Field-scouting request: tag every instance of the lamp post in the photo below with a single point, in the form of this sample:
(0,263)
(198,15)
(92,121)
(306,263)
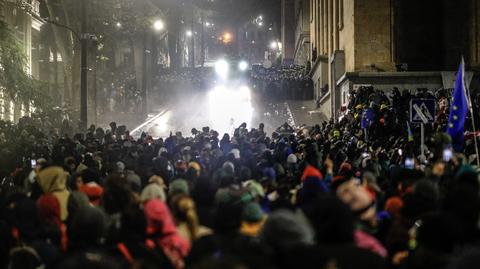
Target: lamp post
(83,38)
(84,70)
(158,26)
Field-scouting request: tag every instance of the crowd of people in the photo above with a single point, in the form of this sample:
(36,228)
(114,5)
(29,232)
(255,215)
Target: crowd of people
(276,73)
(335,195)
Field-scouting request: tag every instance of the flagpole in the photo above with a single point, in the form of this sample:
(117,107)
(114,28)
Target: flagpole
(470,107)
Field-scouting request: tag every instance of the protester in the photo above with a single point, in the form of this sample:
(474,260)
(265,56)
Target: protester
(356,193)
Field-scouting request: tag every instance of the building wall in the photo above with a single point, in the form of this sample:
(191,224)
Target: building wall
(373,35)
(24,25)
(302,32)
(288,30)
(347,34)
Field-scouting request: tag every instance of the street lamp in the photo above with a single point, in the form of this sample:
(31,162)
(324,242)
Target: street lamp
(158,25)
(243,66)
(274,45)
(222,68)
(227,38)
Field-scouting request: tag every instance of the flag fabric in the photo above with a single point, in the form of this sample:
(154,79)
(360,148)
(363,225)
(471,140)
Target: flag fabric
(458,110)
(410,134)
(368,116)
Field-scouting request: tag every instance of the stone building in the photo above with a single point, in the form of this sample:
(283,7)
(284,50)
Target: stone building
(407,44)
(302,33)
(27,29)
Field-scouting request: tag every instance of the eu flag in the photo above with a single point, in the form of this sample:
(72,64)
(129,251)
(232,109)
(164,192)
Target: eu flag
(367,118)
(458,110)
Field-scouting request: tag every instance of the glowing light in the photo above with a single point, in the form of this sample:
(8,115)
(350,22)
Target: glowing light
(227,38)
(158,25)
(189,33)
(160,127)
(229,108)
(243,66)
(119,25)
(244,94)
(222,68)
(273,45)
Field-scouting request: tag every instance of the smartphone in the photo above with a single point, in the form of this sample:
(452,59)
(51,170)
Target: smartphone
(447,154)
(409,163)
(33,163)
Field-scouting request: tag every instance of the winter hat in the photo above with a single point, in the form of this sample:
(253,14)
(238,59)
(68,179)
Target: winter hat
(76,201)
(135,181)
(252,212)
(89,225)
(269,172)
(195,166)
(178,186)
(120,167)
(229,168)
(285,229)
(394,205)
(152,191)
(292,159)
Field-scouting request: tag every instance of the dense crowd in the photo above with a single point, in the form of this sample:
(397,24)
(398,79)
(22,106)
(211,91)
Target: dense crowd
(276,73)
(335,195)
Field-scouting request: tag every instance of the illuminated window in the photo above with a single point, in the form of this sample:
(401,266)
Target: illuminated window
(11,110)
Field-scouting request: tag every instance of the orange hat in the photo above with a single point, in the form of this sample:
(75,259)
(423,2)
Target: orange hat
(394,205)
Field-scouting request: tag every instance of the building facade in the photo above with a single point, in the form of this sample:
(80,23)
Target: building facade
(407,44)
(302,54)
(26,26)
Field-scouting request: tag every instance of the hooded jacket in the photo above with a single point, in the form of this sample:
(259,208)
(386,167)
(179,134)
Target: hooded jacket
(53,180)
(161,227)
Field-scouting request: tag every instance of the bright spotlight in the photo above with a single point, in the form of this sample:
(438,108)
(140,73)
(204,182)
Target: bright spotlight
(229,107)
(221,68)
(245,94)
(158,25)
(119,25)
(189,33)
(274,45)
(243,66)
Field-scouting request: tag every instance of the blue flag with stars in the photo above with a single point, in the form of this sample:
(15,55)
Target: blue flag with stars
(367,118)
(458,110)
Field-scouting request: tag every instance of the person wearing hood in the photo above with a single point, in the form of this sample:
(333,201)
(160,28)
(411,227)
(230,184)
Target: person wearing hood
(161,228)
(53,228)
(186,218)
(53,180)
